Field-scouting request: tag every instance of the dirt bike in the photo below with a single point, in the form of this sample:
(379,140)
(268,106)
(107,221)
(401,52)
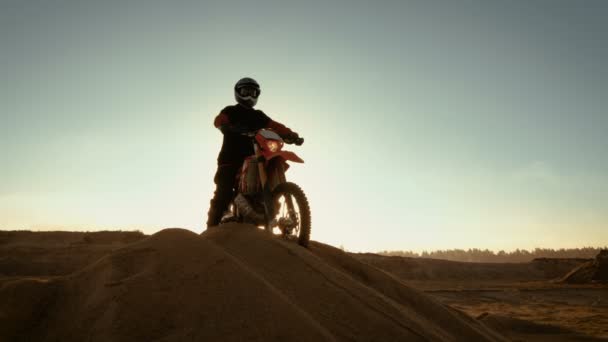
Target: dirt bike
(264,197)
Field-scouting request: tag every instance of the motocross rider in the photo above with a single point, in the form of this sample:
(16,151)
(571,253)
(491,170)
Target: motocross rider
(232,121)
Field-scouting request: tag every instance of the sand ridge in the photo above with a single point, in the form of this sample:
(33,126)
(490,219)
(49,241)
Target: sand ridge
(593,271)
(231,283)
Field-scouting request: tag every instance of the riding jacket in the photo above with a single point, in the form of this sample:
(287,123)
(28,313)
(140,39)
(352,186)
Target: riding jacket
(236,147)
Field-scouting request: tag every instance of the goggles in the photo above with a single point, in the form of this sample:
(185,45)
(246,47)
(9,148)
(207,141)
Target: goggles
(248,91)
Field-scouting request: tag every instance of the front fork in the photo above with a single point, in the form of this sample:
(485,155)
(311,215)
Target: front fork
(269,207)
(266,191)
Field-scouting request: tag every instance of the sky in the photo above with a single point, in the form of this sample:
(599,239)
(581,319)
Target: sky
(428,124)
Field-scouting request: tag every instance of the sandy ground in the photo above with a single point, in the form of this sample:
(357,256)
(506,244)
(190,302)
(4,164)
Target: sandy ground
(580,309)
(528,292)
(235,283)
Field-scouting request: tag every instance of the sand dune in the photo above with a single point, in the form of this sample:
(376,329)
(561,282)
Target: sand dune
(44,254)
(524,301)
(593,271)
(443,270)
(523,330)
(232,283)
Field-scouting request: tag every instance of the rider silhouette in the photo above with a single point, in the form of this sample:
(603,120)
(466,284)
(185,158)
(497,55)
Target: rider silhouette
(233,120)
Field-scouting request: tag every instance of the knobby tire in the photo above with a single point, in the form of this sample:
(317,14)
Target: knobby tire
(298,195)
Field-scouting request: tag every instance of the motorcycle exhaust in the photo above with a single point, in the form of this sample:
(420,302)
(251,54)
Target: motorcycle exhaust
(246,210)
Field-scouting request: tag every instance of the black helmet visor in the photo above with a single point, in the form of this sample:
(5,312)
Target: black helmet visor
(248,91)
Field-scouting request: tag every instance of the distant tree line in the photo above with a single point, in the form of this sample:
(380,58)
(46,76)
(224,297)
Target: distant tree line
(485,255)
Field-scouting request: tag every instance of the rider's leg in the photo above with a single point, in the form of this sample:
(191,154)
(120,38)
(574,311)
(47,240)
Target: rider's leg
(224,191)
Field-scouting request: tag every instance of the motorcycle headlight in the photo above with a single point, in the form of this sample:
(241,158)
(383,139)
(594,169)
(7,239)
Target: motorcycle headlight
(273,145)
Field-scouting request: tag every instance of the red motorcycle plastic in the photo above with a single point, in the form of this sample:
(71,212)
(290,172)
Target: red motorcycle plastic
(264,197)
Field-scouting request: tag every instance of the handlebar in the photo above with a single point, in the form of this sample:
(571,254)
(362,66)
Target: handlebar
(249,133)
(297,142)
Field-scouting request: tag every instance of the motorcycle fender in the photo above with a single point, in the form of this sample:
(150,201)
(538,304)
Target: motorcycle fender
(287,155)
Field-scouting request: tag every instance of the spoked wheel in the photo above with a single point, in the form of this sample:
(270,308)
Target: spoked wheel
(292,212)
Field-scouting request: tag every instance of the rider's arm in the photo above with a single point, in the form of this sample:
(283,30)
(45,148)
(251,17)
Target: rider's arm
(279,128)
(221,120)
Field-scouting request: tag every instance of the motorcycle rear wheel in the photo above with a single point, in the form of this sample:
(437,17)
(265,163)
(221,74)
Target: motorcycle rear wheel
(302,215)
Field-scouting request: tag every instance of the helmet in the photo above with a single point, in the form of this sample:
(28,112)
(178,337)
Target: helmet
(246,91)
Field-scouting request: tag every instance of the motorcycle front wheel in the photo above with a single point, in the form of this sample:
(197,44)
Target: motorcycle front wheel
(292,212)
